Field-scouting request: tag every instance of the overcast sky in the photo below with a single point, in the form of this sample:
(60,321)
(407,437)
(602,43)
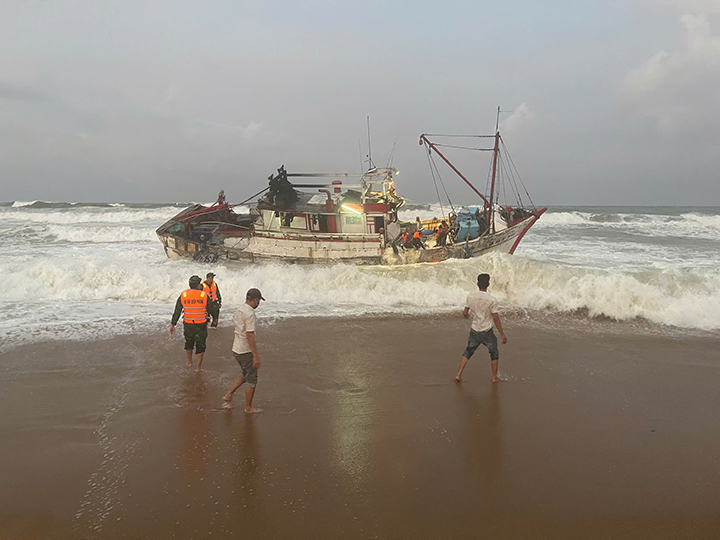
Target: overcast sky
(606,102)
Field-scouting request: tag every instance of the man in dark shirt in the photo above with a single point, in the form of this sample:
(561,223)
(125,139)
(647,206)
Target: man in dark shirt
(211,288)
(192,304)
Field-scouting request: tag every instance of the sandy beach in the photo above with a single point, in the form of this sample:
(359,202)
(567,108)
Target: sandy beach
(599,432)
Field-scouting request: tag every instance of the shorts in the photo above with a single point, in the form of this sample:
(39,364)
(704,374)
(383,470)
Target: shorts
(195,336)
(249,371)
(213,310)
(486,338)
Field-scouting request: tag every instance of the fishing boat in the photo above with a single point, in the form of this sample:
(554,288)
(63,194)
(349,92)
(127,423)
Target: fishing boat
(332,221)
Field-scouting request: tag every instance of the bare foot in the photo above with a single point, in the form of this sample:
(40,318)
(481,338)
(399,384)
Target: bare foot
(189,364)
(458,378)
(253,410)
(198,370)
(497,379)
(227,397)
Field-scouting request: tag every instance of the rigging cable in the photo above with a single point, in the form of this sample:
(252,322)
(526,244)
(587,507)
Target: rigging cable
(430,164)
(511,180)
(464,147)
(460,136)
(392,153)
(518,173)
(442,183)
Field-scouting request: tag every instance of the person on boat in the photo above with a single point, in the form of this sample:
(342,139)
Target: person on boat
(244,349)
(221,198)
(192,304)
(441,238)
(209,286)
(417,241)
(484,311)
(406,239)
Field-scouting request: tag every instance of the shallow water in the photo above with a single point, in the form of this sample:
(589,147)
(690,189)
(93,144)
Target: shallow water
(90,271)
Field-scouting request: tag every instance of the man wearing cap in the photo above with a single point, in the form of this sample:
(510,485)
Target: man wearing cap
(245,349)
(209,286)
(193,304)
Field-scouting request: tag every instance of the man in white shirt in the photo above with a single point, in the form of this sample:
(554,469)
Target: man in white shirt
(484,311)
(245,349)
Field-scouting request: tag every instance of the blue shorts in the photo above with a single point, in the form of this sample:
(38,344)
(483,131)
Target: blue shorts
(486,338)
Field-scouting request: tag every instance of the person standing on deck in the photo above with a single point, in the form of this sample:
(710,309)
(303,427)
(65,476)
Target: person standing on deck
(245,349)
(484,311)
(210,288)
(442,232)
(192,303)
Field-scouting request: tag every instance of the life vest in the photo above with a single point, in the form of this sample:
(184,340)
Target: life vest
(404,237)
(417,234)
(211,290)
(194,304)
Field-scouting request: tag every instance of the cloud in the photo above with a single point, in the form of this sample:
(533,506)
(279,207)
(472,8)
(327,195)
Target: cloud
(520,121)
(676,87)
(704,7)
(14,92)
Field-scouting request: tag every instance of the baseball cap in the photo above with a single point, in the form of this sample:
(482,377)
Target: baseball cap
(253,294)
(195,280)
(209,274)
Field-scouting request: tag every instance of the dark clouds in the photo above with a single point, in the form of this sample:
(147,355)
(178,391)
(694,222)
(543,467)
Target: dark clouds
(174,101)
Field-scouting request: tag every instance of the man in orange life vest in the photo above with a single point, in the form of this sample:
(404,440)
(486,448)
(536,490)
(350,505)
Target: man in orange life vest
(417,242)
(209,287)
(193,304)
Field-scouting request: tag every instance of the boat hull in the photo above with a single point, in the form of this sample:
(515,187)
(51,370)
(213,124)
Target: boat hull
(330,249)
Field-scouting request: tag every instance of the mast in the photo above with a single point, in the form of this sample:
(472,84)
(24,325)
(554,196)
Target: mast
(496,151)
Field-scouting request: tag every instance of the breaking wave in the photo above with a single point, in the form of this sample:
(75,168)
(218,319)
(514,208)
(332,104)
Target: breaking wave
(110,215)
(81,271)
(685,225)
(684,298)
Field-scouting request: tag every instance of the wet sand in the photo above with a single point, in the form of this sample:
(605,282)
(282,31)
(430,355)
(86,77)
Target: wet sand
(599,432)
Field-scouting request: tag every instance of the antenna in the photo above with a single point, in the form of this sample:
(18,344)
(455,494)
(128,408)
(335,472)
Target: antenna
(361,159)
(392,152)
(497,120)
(370,161)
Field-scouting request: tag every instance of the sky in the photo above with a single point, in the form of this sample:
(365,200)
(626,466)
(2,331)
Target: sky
(611,102)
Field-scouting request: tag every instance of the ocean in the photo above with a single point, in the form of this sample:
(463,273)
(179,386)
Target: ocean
(89,271)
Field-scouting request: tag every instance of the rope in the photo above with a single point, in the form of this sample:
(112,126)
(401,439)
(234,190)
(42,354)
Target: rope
(442,184)
(251,198)
(464,147)
(518,174)
(458,136)
(430,164)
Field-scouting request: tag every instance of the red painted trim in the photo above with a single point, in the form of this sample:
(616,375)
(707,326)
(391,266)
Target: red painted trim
(331,224)
(538,213)
(381,208)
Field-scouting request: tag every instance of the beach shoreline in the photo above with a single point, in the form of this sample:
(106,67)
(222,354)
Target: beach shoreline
(597,433)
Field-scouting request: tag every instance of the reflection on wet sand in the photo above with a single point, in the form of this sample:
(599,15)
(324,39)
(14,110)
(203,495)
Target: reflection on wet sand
(482,437)
(246,472)
(353,412)
(195,436)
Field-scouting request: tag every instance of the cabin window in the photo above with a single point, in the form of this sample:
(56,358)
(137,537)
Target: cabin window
(318,223)
(353,223)
(379,223)
(288,220)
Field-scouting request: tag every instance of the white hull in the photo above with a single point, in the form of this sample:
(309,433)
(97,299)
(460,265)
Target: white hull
(337,248)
